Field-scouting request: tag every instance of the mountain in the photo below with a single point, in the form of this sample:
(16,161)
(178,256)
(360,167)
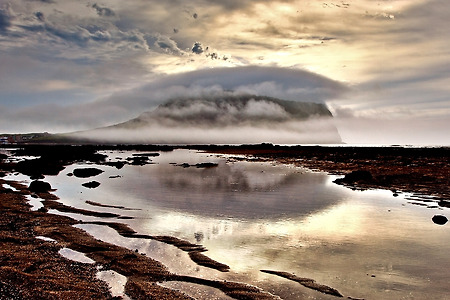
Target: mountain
(228,119)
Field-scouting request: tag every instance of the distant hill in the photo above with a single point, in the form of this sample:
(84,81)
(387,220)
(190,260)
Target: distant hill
(227,119)
(223,111)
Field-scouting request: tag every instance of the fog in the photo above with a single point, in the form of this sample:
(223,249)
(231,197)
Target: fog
(224,120)
(293,132)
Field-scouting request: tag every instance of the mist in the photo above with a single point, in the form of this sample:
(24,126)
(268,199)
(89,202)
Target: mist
(294,132)
(228,119)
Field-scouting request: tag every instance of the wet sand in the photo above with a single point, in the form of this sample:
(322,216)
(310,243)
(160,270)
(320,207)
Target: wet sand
(33,268)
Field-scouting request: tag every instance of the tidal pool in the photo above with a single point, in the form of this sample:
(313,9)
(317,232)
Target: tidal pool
(262,215)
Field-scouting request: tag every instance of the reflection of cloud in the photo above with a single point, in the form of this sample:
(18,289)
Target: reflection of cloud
(225,178)
(242,190)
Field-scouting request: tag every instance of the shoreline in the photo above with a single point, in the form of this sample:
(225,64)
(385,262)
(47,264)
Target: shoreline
(47,274)
(423,172)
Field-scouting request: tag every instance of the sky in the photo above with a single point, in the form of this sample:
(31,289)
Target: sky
(382,67)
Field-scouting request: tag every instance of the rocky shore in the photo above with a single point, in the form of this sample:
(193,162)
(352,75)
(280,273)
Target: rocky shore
(424,172)
(32,268)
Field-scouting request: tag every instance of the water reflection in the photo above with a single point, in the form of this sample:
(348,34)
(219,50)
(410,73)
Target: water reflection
(254,216)
(237,190)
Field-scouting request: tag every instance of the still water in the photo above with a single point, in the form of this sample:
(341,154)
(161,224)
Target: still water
(262,215)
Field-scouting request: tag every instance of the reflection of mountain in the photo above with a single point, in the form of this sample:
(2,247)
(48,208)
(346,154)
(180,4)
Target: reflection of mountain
(226,178)
(226,119)
(240,190)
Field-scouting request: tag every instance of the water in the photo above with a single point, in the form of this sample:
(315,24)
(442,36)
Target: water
(253,216)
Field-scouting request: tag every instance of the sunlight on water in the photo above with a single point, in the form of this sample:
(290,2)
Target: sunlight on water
(255,215)
(75,256)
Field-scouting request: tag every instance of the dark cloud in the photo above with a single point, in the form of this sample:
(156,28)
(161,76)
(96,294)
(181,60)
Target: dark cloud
(162,43)
(40,16)
(5,19)
(103,11)
(197,48)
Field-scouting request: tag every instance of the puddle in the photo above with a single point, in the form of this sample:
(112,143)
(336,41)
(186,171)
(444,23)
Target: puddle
(75,256)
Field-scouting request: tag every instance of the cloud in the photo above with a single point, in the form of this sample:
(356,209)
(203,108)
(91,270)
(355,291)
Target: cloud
(40,16)
(163,43)
(416,130)
(283,83)
(5,18)
(73,54)
(197,48)
(103,11)
(121,106)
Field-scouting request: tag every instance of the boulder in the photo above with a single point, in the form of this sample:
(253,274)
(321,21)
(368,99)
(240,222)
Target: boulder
(86,172)
(439,219)
(355,176)
(39,186)
(91,184)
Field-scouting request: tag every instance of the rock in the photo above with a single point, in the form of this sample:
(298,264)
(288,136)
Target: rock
(146,154)
(39,186)
(86,172)
(439,219)
(117,164)
(206,165)
(91,184)
(355,176)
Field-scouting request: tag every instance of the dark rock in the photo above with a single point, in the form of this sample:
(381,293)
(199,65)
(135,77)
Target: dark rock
(306,282)
(355,176)
(206,165)
(146,154)
(91,184)
(42,209)
(117,164)
(86,172)
(39,186)
(444,203)
(439,219)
